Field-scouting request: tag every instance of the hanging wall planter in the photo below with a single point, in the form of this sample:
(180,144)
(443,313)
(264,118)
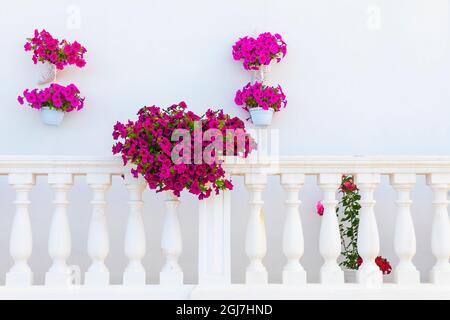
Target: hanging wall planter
(261,101)
(53,102)
(258,55)
(52,117)
(261,117)
(46,72)
(50,55)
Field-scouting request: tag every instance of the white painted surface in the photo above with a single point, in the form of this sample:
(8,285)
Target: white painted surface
(357,83)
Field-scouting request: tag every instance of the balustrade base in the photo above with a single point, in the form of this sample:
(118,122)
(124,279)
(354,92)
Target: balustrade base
(171,278)
(96,279)
(60,279)
(311,291)
(441,277)
(369,278)
(410,277)
(15,279)
(294,277)
(133,278)
(314,291)
(332,277)
(256,277)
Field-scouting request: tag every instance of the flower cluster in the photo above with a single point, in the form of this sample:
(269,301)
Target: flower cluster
(348,184)
(60,53)
(56,97)
(152,145)
(381,262)
(260,51)
(262,96)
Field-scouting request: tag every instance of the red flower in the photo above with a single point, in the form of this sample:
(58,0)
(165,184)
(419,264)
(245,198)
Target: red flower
(359,261)
(381,262)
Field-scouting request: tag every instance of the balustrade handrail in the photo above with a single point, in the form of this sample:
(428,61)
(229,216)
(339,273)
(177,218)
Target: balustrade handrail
(343,164)
(301,164)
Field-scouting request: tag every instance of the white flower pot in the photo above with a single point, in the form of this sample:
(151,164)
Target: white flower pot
(51,117)
(261,117)
(350,276)
(46,72)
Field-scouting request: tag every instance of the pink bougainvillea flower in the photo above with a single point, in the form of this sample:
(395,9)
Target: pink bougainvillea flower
(320,208)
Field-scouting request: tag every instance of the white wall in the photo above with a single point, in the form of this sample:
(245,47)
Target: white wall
(357,83)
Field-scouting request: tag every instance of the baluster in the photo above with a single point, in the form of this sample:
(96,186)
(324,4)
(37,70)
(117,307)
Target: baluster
(440,232)
(293,243)
(214,240)
(135,234)
(98,241)
(405,237)
(255,238)
(330,238)
(59,242)
(21,241)
(171,244)
(368,240)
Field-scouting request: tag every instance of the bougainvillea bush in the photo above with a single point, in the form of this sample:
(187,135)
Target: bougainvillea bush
(55,97)
(260,51)
(61,53)
(348,213)
(259,95)
(175,149)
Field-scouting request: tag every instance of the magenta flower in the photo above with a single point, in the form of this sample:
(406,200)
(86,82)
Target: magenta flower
(262,96)
(60,53)
(320,208)
(260,51)
(147,144)
(55,96)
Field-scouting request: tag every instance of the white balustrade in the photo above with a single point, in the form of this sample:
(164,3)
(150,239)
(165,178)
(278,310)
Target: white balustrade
(21,240)
(404,236)
(440,233)
(255,237)
(135,233)
(171,244)
(368,240)
(59,241)
(215,231)
(98,238)
(293,243)
(330,238)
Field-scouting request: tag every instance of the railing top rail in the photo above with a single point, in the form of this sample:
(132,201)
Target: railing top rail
(61,164)
(342,164)
(284,164)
